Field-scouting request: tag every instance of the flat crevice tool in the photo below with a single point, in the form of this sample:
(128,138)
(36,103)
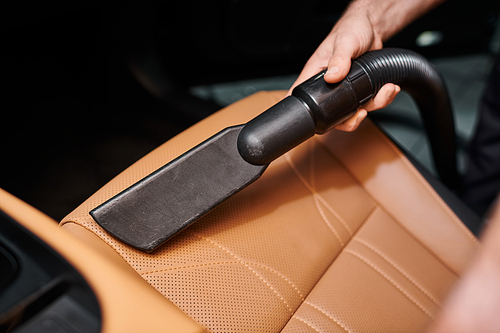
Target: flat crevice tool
(170,199)
(160,205)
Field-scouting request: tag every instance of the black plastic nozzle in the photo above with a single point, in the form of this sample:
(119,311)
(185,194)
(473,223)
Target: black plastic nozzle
(276,131)
(314,107)
(317,106)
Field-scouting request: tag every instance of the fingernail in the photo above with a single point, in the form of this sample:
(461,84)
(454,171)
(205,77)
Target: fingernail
(390,93)
(333,70)
(358,121)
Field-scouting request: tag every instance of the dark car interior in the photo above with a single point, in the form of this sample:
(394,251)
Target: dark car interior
(93,87)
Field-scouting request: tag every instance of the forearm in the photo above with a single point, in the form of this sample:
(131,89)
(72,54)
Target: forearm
(473,304)
(400,13)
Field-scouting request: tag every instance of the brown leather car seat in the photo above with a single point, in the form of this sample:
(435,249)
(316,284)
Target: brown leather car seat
(341,234)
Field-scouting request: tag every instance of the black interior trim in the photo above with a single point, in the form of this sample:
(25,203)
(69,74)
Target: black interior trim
(41,291)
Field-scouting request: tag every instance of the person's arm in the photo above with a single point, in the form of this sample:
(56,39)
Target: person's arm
(364,26)
(474,304)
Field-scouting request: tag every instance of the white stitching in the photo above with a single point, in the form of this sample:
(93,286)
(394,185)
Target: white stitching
(307,323)
(226,263)
(388,278)
(247,266)
(329,316)
(431,191)
(325,218)
(399,269)
(316,200)
(190,266)
(289,160)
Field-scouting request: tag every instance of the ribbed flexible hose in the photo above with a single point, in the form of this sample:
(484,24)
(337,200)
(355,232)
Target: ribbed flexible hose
(316,107)
(415,75)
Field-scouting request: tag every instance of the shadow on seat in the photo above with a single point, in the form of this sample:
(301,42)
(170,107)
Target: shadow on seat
(341,234)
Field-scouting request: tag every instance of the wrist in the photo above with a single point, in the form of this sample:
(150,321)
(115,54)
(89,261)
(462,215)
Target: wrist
(388,17)
(375,12)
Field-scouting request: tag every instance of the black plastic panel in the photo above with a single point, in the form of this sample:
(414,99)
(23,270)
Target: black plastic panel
(40,291)
(8,267)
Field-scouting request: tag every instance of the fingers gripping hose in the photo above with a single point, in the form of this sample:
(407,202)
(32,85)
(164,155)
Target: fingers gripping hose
(316,107)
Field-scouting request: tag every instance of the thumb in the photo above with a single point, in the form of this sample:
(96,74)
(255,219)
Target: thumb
(339,65)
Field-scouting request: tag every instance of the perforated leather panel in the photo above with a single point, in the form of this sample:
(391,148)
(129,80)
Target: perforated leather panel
(384,281)
(281,253)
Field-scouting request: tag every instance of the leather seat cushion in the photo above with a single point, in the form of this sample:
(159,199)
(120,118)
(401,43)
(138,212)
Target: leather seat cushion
(340,234)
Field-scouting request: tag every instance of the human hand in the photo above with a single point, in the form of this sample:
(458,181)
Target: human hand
(353,35)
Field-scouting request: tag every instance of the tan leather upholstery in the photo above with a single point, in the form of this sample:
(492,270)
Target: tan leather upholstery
(127,303)
(339,235)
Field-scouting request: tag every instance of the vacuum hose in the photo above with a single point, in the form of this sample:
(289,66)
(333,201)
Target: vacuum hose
(316,106)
